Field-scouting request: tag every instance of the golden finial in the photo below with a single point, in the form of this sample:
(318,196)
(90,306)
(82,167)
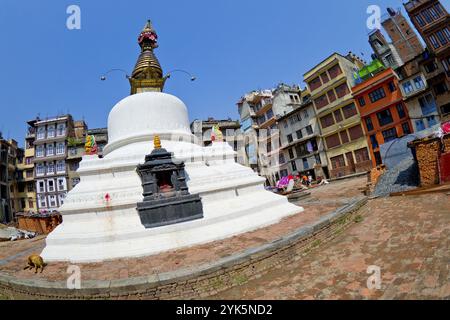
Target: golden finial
(156,142)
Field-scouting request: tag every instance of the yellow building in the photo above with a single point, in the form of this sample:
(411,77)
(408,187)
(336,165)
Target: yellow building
(330,84)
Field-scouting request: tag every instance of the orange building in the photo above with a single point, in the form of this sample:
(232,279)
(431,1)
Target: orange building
(383,112)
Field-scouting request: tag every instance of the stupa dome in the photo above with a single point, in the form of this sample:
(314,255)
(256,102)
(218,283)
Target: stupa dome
(140,116)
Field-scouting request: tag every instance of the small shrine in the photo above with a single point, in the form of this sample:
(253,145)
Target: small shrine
(166,196)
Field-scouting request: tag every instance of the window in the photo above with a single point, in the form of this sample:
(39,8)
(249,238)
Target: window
(321,102)
(291,153)
(299,134)
(434,41)
(61,197)
(324,77)
(29,173)
(41,186)
(440,88)
(42,201)
(285,124)
(61,129)
(430,67)
(331,96)
(406,129)
(390,60)
(62,183)
(418,82)
(392,86)
(289,138)
(317,158)
(299,117)
(342,90)
(305,164)
(369,124)
(305,114)
(349,111)
(269,114)
(50,168)
(60,166)
(446,31)
(377,95)
(338,115)
(51,185)
(52,201)
(40,133)
(338,162)
(74,166)
(407,87)
(384,117)
(344,136)
(50,150)
(40,169)
(334,71)
(60,148)
(361,155)
(389,135)
(401,111)
(427,16)
(431,121)
(314,84)
(420,20)
(51,131)
(427,104)
(39,151)
(420,125)
(327,121)
(374,141)
(442,38)
(309,130)
(294,166)
(362,101)
(332,141)
(355,132)
(284,173)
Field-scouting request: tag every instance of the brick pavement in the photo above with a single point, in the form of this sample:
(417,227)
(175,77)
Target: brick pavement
(323,200)
(407,237)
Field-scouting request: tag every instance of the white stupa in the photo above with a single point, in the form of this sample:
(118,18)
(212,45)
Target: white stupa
(100,217)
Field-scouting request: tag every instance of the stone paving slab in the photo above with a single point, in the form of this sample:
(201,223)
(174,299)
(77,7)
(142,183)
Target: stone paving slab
(407,237)
(13,254)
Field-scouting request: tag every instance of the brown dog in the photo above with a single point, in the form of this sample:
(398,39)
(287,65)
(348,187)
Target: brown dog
(36,262)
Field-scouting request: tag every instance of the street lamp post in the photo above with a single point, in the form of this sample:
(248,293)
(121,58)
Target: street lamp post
(167,76)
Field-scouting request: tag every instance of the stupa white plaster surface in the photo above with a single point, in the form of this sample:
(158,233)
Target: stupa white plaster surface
(93,229)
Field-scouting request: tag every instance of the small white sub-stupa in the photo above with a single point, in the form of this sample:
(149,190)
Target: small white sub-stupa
(100,215)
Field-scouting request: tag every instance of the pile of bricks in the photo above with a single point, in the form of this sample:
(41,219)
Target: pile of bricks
(42,224)
(427,153)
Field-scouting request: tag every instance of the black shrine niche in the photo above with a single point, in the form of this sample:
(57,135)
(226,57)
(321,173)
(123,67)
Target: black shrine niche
(166,196)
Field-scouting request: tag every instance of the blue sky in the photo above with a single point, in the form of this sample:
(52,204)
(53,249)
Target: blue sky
(232,46)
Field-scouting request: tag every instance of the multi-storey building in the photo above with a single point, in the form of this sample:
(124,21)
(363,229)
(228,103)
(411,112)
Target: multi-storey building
(384,50)
(432,21)
(258,112)
(404,39)
(417,95)
(383,112)
(302,149)
(10,191)
(50,162)
(345,144)
(202,129)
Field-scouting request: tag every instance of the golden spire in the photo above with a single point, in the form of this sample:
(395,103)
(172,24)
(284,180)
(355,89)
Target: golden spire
(147,74)
(156,142)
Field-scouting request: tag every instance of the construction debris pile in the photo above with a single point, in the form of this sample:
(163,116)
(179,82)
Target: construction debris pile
(402,177)
(13,234)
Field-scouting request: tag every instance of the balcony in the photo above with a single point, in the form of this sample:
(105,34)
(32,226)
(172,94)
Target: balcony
(415,4)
